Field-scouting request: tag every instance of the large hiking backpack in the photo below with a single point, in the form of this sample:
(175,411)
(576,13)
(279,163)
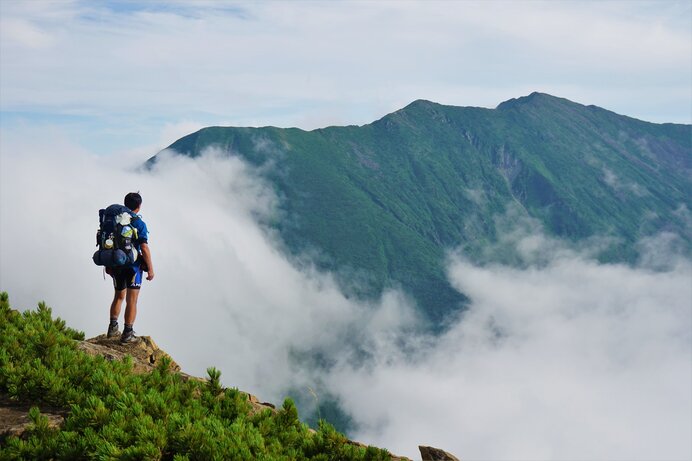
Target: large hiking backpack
(115,237)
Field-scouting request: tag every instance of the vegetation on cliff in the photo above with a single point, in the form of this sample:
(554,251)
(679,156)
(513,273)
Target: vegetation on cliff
(115,413)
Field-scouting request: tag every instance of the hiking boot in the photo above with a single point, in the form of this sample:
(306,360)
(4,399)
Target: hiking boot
(128,337)
(113,331)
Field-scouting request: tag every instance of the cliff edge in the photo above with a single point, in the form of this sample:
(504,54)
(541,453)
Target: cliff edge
(27,417)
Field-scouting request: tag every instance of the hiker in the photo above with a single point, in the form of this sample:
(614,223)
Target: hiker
(127,279)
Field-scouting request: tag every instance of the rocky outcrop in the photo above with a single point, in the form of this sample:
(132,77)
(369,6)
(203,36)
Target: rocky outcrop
(435,454)
(145,353)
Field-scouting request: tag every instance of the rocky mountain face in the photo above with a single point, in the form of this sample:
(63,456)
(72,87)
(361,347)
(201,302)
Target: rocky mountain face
(383,203)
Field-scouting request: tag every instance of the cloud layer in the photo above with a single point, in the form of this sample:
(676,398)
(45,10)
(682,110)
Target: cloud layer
(106,68)
(564,359)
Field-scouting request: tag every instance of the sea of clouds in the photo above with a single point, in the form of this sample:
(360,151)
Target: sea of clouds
(565,358)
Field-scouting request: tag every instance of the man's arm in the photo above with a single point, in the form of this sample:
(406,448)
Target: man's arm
(146,254)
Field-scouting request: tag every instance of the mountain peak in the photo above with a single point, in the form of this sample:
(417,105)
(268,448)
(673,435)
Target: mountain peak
(535,99)
(413,109)
(422,102)
(419,104)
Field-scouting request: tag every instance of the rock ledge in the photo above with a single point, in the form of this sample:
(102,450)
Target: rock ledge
(435,454)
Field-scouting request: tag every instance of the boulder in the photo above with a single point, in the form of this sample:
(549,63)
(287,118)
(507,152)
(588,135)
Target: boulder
(435,454)
(145,353)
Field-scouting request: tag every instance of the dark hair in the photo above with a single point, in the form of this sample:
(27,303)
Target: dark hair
(133,200)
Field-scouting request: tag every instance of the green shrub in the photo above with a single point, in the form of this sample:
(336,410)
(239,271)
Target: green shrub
(114,414)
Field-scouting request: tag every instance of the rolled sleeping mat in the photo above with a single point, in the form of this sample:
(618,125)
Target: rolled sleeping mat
(111,258)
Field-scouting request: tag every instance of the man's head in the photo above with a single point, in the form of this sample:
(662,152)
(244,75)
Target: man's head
(133,201)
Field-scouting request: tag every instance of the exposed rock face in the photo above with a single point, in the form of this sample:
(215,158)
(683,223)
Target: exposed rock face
(145,353)
(257,405)
(435,454)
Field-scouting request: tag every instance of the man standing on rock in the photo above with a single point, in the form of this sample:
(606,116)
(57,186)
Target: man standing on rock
(127,280)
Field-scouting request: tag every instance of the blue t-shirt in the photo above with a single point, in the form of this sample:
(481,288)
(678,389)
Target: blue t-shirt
(142,237)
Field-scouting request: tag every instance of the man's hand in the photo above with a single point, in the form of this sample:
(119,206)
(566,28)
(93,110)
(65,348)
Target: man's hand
(146,255)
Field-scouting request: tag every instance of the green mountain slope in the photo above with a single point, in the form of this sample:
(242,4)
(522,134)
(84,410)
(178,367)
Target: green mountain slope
(382,203)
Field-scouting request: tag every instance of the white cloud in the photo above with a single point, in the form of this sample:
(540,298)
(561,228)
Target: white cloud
(621,186)
(567,359)
(23,33)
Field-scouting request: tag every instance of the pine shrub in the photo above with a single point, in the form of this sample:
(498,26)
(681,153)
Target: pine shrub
(115,414)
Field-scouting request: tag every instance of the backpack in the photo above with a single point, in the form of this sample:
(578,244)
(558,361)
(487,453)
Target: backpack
(115,237)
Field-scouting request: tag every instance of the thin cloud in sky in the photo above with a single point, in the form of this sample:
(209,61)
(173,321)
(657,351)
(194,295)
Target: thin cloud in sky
(309,64)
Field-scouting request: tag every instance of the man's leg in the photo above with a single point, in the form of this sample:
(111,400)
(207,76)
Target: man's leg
(131,306)
(118,297)
(117,303)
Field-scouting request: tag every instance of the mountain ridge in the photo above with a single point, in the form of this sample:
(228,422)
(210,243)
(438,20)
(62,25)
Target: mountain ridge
(389,199)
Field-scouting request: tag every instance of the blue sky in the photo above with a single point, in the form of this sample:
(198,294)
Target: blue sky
(123,76)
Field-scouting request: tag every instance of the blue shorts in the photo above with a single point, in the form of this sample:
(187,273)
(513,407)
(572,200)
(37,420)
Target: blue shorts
(126,277)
